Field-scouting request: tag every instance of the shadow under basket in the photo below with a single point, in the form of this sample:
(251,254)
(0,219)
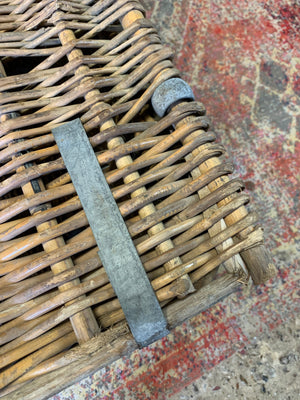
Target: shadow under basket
(102,61)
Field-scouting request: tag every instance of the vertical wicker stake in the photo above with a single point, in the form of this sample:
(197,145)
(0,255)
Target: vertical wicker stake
(185,286)
(84,323)
(166,96)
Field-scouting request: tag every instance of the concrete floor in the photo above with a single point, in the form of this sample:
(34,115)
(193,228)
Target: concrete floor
(243,61)
(267,368)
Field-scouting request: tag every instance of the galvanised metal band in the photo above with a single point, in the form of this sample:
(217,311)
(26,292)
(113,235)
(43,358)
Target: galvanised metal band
(116,249)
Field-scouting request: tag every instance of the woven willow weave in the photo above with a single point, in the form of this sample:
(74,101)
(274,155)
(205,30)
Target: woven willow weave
(101,61)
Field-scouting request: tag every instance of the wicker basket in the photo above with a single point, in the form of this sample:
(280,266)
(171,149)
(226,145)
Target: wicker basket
(101,61)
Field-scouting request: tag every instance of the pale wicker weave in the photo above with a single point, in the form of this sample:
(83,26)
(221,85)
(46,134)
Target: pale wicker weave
(101,61)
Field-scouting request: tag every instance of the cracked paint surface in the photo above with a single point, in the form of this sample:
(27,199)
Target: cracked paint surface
(242,60)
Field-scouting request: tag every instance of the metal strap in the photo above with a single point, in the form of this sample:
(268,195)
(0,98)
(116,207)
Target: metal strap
(116,249)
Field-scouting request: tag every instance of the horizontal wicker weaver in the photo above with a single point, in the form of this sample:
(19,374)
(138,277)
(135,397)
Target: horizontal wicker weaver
(101,61)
